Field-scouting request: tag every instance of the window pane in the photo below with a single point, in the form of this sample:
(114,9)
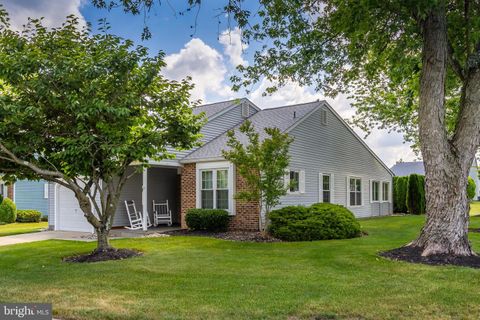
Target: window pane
(326,196)
(359,184)
(359,199)
(326,182)
(352,198)
(385,191)
(352,184)
(375,190)
(222,199)
(294,181)
(207,177)
(207,199)
(222,179)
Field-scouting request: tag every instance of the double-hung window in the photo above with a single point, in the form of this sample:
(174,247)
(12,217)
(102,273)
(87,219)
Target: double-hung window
(294,181)
(375,191)
(214,192)
(385,191)
(355,191)
(326,188)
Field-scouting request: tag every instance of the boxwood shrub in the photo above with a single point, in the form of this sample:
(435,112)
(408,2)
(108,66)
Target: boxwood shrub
(8,211)
(471,187)
(28,215)
(207,219)
(320,221)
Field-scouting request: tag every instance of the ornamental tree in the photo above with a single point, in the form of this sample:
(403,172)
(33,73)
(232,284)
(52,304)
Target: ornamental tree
(261,162)
(79,110)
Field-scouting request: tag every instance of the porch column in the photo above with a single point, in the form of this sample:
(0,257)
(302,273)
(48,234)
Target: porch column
(144,198)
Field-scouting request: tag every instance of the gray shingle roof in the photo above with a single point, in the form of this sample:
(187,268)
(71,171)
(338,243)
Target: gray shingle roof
(281,117)
(407,168)
(213,108)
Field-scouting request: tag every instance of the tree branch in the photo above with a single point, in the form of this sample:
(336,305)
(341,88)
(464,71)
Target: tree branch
(454,63)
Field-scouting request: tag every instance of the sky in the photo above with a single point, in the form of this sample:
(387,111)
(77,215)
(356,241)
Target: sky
(207,48)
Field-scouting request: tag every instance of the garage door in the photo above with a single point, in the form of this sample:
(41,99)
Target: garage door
(69,215)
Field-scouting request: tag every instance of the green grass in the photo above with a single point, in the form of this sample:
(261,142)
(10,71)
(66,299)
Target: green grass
(18,228)
(204,278)
(475,208)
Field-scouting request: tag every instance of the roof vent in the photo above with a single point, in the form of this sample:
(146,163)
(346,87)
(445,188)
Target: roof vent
(323,115)
(245,109)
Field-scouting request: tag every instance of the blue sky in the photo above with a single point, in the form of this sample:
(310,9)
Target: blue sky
(209,57)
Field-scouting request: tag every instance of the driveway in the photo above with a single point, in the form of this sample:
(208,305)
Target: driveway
(45,235)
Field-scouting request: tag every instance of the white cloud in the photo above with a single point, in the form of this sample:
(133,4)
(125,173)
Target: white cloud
(233,46)
(53,12)
(205,65)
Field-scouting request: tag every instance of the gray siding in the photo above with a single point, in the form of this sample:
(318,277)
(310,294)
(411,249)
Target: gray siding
(333,149)
(30,195)
(51,205)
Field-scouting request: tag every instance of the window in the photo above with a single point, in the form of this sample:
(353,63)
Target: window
(355,191)
(385,191)
(326,187)
(375,191)
(294,181)
(214,193)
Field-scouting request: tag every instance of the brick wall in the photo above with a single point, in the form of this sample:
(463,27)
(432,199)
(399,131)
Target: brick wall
(188,191)
(247,213)
(10,191)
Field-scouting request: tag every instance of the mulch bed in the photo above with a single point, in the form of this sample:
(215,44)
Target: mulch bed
(111,254)
(248,236)
(414,255)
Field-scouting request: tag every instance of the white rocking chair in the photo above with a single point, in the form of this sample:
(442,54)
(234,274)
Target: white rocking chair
(161,213)
(135,217)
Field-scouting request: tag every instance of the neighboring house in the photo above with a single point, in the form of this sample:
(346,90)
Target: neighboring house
(329,163)
(6,190)
(407,168)
(28,194)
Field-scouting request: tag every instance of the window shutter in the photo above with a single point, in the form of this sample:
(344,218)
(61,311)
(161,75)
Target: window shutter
(332,188)
(320,187)
(286,180)
(302,181)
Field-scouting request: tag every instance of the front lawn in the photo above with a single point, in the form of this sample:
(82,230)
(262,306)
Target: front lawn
(18,228)
(475,208)
(203,278)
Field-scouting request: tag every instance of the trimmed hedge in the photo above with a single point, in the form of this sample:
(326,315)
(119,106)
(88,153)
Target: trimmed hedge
(207,219)
(471,188)
(321,221)
(400,194)
(416,194)
(28,215)
(8,211)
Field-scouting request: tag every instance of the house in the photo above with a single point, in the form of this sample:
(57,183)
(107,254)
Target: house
(329,163)
(407,168)
(28,194)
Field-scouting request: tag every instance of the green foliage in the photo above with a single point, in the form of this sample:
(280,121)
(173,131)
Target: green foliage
(416,194)
(471,188)
(1,199)
(28,215)
(78,109)
(321,221)
(8,211)
(400,194)
(207,219)
(262,163)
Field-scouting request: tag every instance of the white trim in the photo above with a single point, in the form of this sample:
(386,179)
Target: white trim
(388,191)
(145,198)
(55,205)
(362,192)
(219,165)
(45,190)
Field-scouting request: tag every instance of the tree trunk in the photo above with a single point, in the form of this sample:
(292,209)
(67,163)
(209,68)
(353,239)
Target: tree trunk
(103,243)
(446,166)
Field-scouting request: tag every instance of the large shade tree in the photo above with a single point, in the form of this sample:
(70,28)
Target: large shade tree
(80,109)
(412,66)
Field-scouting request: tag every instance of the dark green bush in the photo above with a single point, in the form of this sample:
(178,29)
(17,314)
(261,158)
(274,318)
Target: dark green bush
(416,194)
(471,188)
(321,221)
(8,211)
(44,218)
(28,215)
(207,219)
(400,194)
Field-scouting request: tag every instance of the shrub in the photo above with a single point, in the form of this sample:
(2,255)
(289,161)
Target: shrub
(207,219)
(400,194)
(28,215)
(44,218)
(8,211)
(321,221)
(416,194)
(471,187)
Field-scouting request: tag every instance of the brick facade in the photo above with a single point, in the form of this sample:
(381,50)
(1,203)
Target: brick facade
(10,191)
(246,213)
